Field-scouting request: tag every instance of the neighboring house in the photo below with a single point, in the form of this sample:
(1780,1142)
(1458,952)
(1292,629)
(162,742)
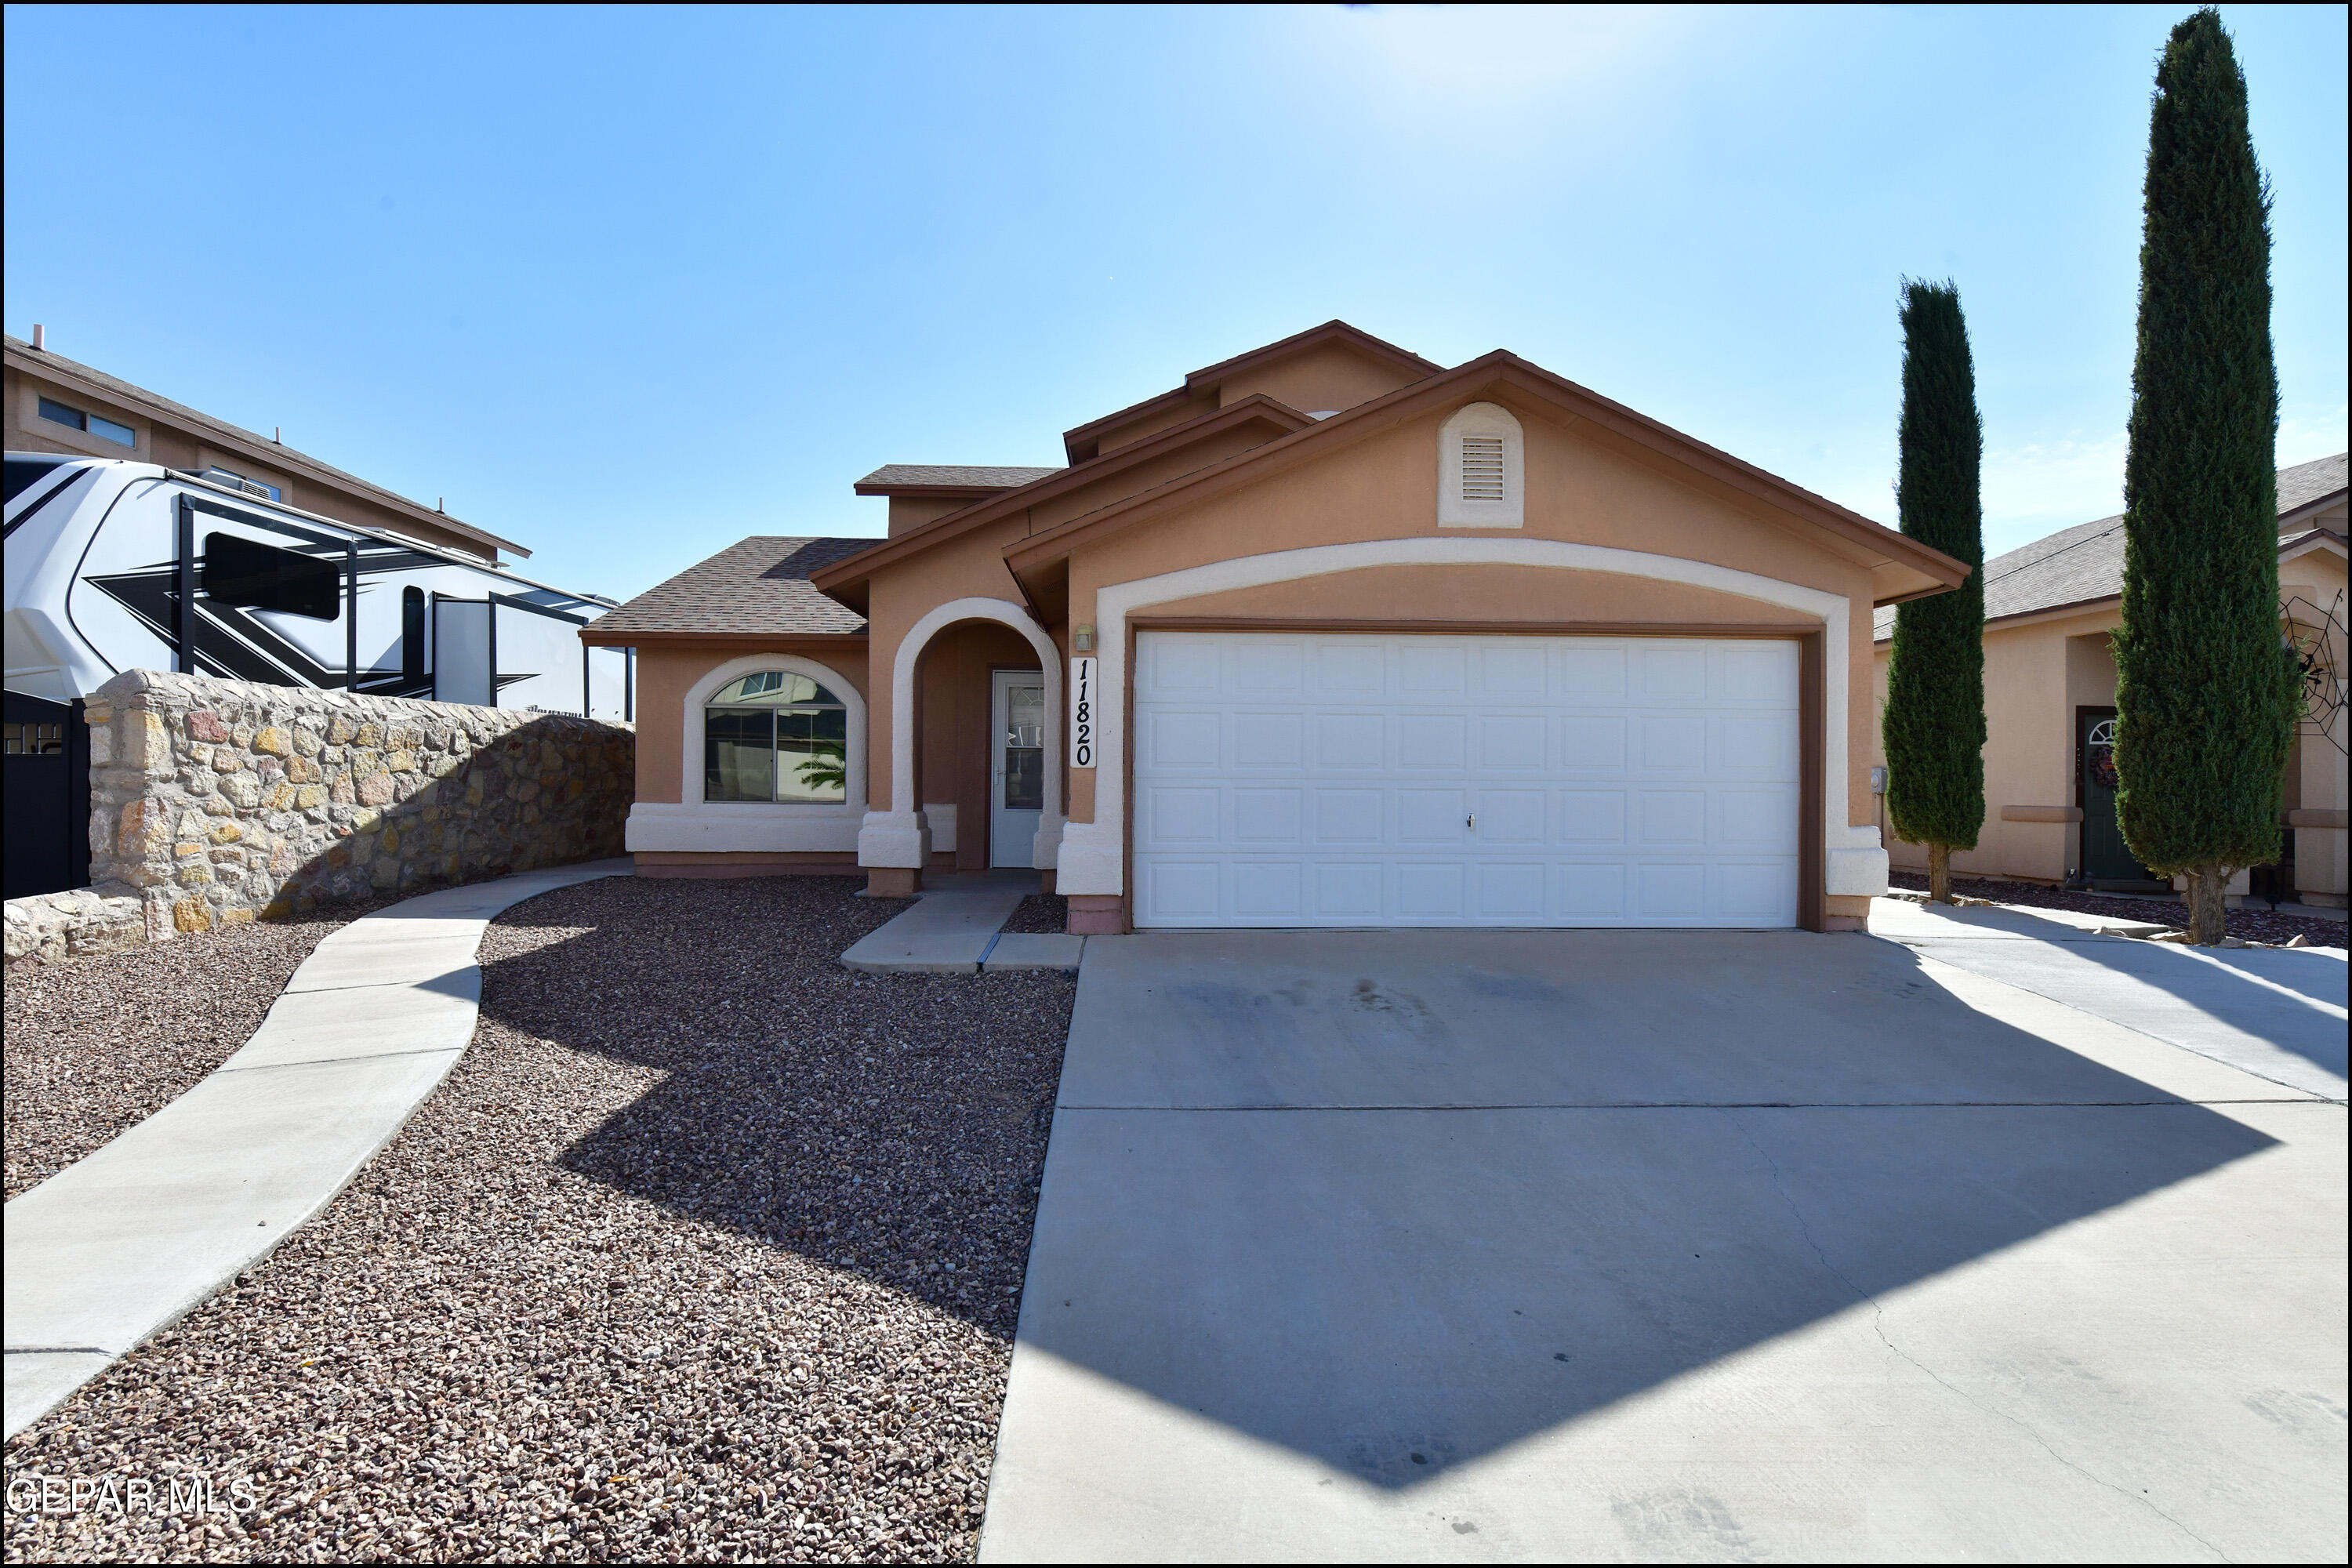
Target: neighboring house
(1328,635)
(54,404)
(2050,701)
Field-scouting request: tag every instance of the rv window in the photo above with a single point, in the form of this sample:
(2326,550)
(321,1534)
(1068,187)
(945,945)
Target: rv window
(242,571)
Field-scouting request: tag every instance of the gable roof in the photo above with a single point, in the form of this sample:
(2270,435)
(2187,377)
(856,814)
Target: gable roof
(2084,564)
(44,362)
(757,587)
(1504,370)
(946,479)
(1257,409)
(1201,385)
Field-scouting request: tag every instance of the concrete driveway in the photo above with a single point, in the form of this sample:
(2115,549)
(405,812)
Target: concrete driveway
(1662,1245)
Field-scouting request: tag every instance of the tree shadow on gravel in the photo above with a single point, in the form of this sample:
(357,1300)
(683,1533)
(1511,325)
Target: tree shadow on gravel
(890,1126)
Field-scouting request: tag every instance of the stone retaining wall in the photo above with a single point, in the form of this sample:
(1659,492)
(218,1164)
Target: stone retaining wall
(218,801)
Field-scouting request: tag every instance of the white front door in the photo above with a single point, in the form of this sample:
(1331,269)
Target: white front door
(1016,785)
(1335,780)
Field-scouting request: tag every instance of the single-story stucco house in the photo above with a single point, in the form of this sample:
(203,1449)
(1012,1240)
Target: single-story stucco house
(2050,701)
(1328,634)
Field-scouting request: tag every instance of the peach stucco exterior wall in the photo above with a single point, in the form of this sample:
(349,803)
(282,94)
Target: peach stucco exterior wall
(1582,485)
(2037,674)
(1329,377)
(668,671)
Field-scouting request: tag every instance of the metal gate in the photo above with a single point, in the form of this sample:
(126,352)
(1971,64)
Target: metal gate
(47,816)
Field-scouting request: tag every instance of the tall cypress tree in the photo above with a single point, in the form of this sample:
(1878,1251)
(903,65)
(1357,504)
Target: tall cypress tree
(2205,698)
(1934,726)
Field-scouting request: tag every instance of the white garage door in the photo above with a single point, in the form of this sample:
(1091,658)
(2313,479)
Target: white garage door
(1330,780)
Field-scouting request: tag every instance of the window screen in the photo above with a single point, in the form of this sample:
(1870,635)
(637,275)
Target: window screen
(243,572)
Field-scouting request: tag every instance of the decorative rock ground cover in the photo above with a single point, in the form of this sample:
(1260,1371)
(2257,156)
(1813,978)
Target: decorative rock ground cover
(97,1044)
(2254,924)
(708,1248)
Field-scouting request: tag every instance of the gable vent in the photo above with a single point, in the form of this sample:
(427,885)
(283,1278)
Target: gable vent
(1481,468)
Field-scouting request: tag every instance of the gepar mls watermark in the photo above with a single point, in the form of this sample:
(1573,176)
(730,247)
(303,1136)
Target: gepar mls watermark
(184,1495)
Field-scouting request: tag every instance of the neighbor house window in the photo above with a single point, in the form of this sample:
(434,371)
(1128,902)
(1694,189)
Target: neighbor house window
(237,481)
(775,736)
(89,423)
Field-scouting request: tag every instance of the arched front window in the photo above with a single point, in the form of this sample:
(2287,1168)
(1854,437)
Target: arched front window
(775,736)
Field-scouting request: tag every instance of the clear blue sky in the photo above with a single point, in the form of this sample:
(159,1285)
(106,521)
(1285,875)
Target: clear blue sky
(630,285)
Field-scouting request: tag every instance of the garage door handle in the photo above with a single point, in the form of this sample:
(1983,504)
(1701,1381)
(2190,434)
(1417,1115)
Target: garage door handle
(1471,822)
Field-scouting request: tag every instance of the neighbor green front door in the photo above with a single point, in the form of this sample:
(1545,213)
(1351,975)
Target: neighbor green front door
(2105,857)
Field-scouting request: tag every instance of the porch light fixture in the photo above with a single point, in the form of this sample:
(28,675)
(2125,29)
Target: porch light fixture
(1082,640)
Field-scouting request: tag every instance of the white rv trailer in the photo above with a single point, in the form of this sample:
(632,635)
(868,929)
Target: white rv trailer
(115,565)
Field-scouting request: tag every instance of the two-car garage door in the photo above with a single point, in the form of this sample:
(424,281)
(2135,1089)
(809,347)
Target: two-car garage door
(1338,779)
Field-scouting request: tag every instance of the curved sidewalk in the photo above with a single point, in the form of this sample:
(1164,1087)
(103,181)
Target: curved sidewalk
(133,1237)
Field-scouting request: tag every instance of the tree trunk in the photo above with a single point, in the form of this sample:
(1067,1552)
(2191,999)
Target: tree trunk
(2209,905)
(1939,873)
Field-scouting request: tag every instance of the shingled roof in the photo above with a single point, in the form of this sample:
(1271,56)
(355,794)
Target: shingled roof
(758,587)
(2084,564)
(898,475)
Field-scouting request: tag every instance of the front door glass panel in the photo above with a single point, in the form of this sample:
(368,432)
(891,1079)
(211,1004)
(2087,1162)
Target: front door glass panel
(1023,747)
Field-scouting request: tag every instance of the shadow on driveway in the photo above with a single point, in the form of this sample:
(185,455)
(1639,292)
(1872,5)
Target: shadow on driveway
(1399,1200)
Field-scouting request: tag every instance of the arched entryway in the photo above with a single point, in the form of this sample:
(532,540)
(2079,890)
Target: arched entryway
(962,676)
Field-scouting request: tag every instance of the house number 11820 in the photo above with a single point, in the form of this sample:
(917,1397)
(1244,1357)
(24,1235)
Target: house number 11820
(1082,713)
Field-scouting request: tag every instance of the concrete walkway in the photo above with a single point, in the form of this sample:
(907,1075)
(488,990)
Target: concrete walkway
(1665,1245)
(2278,1012)
(127,1240)
(956,926)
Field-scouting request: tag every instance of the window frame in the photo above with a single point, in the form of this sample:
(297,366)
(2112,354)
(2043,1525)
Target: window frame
(692,748)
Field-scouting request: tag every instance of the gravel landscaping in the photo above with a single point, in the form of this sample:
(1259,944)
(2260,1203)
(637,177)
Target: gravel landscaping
(1047,913)
(2256,925)
(96,1044)
(708,1248)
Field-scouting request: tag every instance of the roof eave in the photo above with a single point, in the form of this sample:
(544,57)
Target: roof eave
(1256,407)
(36,362)
(596,635)
(1502,366)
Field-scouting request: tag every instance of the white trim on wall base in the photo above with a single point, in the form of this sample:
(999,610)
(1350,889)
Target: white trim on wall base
(1093,854)
(729,828)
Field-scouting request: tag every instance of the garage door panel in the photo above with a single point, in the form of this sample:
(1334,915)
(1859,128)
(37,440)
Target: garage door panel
(1265,890)
(1264,741)
(1369,780)
(1430,815)
(1590,817)
(1595,671)
(1349,669)
(1673,745)
(1427,890)
(1173,815)
(1673,817)
(1176,739)
(1593,891)
(1673,675)
(1590,743)
(1512,741)
(1259,667)
(1425,742)
(1429,668)
(1510,815)
(1512,674)
(1267,816)
(1348,891)
(1348,816)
